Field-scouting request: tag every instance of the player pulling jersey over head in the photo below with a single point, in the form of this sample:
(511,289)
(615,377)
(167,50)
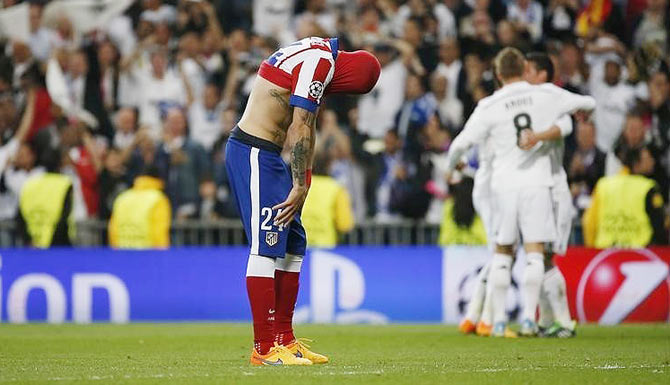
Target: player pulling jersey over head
(521,178)
(282,106)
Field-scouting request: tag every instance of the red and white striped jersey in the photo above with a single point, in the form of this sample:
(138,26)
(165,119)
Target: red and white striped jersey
(305,67)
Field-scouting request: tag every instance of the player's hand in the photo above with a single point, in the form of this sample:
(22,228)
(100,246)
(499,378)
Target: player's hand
(527,140)
(292,204)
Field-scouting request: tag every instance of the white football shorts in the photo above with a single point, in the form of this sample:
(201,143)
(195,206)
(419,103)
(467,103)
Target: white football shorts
(564,211)
(528,211)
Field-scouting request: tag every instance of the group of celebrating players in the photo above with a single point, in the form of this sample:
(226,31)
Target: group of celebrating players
(520,187)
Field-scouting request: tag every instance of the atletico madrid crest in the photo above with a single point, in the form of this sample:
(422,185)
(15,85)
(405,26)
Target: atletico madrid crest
(271,238)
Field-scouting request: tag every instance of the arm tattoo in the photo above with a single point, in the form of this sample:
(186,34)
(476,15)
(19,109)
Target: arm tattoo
(299,156)
(309,119)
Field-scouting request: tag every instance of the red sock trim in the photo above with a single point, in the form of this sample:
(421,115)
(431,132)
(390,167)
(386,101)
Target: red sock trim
(286,295)
(261,291)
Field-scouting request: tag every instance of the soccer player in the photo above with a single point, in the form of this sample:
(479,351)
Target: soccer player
(282,109)
(520,179)
(478,317)
(555,318)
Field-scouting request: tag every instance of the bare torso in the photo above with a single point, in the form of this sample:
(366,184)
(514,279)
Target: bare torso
(268,113)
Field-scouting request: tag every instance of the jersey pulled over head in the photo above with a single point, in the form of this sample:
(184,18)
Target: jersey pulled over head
(355,73)
(313,67)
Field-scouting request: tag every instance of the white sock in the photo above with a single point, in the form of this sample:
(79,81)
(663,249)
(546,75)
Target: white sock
(478,294)
(546,314)
(554,286)
(500,277)
(487,308)
(532,282)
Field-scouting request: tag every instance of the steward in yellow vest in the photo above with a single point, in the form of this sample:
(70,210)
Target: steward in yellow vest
(626,210)
(460,224)
(327,211)
(45,210)
(141,216)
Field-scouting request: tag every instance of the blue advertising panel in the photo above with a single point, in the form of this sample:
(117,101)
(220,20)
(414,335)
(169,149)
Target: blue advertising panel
(343,285)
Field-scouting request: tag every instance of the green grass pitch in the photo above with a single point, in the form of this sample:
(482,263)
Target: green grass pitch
(406,354)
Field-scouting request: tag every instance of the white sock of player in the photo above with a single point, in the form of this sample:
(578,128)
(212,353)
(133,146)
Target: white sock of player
(500,277)
(532,282)
(546,314)
(478,294)
(487,308)
(554,286)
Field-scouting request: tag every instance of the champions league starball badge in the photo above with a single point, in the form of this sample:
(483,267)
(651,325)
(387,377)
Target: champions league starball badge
(316,89)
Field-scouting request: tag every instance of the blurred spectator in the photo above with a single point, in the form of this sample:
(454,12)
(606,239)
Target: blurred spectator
(214,203)
(613,100)
(627,209)
(414,114)
(205,117)
(125,128)
(460,223)
(334,144)
(272,18)
(42,39)
(571,68)
(436,141)
(449,108)
(46,205)
(527,16)
(319,15)
(391,169)
(559,19)
(377,109)
(113,181)
(327,211)
(159,88)
(635,136)
(425,49)
(659,101)
(585,165)
(157,12)
(141,216)
(182,163)
(652,26)
(451,67)
(83,164)
(17,158)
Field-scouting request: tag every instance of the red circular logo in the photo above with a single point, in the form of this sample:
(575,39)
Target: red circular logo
(624,285)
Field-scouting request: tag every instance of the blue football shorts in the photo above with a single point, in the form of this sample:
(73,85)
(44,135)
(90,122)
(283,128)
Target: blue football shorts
(260,179)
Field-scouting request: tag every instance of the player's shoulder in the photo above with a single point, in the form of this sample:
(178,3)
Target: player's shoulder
(503,93)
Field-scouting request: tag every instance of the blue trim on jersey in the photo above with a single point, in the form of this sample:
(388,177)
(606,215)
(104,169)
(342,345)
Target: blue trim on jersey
(304,103)
(334,46)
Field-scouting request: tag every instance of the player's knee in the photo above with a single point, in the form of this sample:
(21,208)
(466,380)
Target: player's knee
(534,247)
(290,263)
(505,249)
(534,270)
(260,266)
(500,271)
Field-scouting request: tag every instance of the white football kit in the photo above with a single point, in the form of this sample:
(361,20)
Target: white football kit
(481,190)
(560,190)
(520,180)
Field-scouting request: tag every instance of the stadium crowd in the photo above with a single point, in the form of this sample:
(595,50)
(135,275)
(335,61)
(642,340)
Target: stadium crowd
(159,87)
